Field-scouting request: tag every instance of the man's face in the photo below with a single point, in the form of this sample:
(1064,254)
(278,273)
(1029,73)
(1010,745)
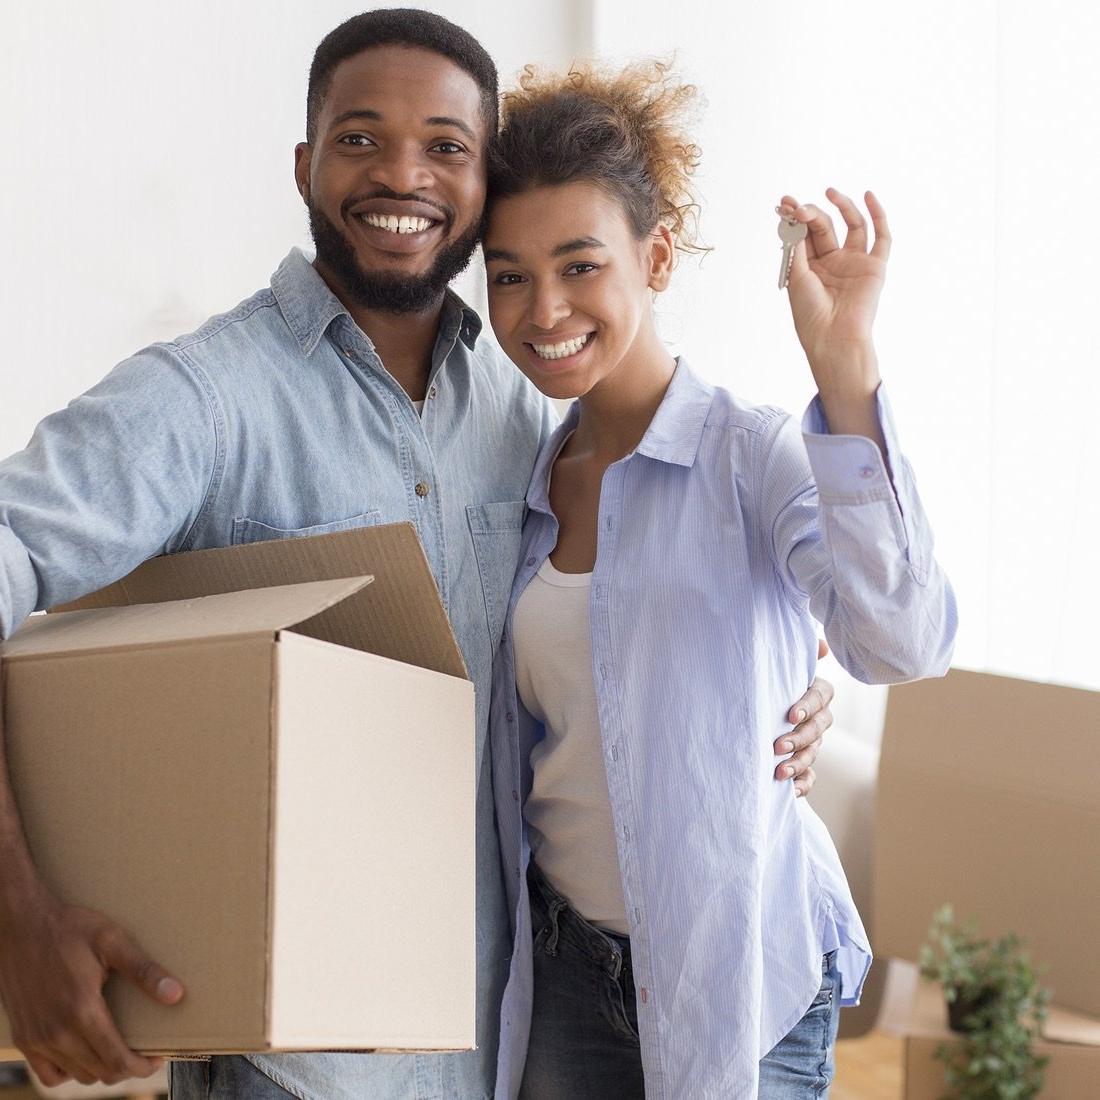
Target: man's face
(395,178)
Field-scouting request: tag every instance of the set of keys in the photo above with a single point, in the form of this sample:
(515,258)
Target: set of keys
(791,231)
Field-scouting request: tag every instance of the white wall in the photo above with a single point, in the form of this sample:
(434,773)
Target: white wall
(147,169)
(975,124)
(147,184)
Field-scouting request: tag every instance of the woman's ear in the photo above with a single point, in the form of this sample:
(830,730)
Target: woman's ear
(662,258)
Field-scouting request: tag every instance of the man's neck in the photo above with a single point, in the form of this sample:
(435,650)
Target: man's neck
(403,341)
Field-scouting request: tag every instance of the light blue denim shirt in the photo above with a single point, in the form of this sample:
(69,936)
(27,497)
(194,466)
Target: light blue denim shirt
(278,420)
(722,538)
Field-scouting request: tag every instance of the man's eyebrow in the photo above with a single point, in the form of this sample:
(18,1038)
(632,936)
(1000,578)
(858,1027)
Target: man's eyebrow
(435,120)
(457,123)
(578,244)
(347,116)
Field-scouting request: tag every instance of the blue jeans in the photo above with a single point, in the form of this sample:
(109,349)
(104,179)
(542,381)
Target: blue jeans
(584,1027)
(223,1077)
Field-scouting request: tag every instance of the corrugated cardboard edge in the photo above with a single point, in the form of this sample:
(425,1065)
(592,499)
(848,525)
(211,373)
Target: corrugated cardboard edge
(273,787)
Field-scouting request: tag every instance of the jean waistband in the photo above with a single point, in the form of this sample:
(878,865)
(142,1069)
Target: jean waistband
(606,949)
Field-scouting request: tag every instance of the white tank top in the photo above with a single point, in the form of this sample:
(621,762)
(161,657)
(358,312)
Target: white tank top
(568,811)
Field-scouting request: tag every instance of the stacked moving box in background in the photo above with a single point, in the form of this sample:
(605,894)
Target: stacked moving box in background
(988,799)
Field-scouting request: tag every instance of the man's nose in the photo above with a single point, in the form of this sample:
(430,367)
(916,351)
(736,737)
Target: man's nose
(402,169)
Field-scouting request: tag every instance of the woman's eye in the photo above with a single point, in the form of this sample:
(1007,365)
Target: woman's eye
(450,147)
(581,268)
(509,278)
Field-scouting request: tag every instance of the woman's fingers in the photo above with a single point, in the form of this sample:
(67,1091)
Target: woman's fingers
(883,239)
(857,227)
(822,238)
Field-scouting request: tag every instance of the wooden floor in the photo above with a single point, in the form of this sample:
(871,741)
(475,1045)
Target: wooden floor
(868,1068)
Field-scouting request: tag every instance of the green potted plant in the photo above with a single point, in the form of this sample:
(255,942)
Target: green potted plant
(995,1002)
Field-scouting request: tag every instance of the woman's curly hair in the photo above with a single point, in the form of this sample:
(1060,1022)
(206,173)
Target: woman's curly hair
(624,131)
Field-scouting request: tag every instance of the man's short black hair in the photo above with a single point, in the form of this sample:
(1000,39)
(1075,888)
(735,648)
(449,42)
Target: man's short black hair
(401,27)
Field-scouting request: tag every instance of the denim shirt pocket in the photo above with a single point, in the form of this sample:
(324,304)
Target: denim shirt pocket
(496,531)
(252,530)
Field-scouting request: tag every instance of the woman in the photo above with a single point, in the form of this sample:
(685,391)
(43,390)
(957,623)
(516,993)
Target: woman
(683,925)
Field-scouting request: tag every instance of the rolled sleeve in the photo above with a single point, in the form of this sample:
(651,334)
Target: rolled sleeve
(851,470)
(18,586)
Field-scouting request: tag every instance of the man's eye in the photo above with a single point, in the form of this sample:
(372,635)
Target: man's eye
(509,278)
(581,268)
(356,139)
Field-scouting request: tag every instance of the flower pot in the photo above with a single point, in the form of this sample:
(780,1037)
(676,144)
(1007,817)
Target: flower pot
(967,1003)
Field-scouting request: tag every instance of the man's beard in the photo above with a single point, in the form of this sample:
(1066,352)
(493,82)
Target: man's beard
(386,291)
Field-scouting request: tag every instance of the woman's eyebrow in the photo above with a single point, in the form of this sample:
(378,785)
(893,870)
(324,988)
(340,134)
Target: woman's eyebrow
(578,244)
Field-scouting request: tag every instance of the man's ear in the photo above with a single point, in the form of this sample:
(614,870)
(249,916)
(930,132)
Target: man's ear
(662,258)
(303,154)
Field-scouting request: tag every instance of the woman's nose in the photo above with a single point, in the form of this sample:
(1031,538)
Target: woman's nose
(547,308)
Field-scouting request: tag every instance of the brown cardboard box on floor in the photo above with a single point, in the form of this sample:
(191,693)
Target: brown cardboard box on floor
(987,800)
(266,774)
(1071,1074)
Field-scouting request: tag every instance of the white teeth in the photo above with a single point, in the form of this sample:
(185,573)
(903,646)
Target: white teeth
(397,225)
(560,351)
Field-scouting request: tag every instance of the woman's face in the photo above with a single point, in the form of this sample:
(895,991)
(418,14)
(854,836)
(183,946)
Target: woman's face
(570,285)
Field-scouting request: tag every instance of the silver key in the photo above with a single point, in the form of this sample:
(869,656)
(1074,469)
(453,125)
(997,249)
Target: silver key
(791,231)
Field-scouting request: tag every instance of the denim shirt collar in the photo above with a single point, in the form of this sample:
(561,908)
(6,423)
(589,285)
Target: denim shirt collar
(673,434)
(309,306)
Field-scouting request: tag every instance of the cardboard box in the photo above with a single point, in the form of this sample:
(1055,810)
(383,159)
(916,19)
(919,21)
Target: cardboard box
(987,800)
(267,776)
(1071,1073)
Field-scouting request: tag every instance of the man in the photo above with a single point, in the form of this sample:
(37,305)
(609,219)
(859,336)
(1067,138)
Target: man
(354,390)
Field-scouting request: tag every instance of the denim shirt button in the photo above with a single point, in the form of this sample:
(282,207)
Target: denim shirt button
(422,489)
(515,796)
(510,716)
(529,562)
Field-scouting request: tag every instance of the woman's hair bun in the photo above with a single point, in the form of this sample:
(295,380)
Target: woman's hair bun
(625,130)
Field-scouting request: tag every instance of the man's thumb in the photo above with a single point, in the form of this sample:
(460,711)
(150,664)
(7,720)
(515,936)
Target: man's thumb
(123,955)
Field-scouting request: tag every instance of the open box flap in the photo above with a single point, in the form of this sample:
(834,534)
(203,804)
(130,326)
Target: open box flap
(402,616)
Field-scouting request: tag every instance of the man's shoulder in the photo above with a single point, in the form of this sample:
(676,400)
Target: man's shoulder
(257,318)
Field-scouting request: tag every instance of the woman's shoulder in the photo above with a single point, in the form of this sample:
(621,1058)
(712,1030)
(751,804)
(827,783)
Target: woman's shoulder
(733,414)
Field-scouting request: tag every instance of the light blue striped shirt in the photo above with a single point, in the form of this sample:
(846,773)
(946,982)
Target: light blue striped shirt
(722,538)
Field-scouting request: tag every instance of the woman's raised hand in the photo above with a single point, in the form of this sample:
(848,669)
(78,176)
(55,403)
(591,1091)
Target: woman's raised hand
(834,292)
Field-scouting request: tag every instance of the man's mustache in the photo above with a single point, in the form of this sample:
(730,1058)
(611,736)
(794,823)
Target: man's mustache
(394,196)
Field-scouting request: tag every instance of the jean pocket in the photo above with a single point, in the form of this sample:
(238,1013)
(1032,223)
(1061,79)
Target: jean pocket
(496,530)
(828,981)
(247,530)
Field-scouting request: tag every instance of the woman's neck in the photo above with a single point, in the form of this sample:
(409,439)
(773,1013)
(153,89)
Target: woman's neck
(617,411)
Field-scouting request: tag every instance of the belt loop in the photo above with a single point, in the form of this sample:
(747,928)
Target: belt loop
(556,906)
(616,962)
